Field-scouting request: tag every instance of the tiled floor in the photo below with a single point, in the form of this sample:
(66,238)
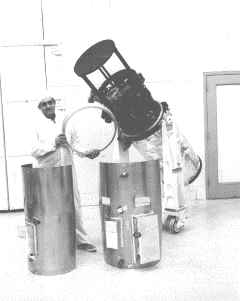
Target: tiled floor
(199,263)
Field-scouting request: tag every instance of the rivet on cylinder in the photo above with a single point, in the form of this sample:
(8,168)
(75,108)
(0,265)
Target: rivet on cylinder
(124,175)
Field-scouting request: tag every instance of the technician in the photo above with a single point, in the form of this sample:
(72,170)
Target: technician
(49,149)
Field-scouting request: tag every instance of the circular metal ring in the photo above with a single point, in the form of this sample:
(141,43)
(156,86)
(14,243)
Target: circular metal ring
(102,108)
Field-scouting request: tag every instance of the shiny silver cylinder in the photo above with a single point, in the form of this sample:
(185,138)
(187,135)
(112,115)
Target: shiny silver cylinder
(50,219)
(131,213)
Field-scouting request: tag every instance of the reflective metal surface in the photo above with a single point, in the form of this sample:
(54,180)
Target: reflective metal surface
(131,213)
(99,107)
(50,219)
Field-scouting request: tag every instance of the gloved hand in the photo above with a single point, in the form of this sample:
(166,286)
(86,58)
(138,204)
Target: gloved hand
(92,154)
(106,117)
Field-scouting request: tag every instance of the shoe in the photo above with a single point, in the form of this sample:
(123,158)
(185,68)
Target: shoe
(87,247)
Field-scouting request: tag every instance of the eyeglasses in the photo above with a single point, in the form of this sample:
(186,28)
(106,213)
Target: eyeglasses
(45,103)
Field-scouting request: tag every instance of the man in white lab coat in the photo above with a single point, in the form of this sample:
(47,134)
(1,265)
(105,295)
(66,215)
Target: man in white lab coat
(49,149)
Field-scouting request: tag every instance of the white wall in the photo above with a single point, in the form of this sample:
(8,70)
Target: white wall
(170,42)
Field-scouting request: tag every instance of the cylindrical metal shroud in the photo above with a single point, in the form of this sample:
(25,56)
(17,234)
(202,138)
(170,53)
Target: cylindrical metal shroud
(50,219)
(131,213)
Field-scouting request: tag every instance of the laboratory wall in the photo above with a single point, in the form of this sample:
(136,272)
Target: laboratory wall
(170,42)
(3,173)
(28,67)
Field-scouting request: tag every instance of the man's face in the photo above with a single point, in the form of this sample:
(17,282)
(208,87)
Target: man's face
(47,107)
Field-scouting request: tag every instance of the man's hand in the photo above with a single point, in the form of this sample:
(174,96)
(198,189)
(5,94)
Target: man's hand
(60,140)
(92,154)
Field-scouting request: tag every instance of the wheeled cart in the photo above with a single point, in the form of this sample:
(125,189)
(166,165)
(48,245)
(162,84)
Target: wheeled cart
(180,166)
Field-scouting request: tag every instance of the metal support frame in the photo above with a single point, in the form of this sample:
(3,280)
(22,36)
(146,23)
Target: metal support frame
(174,196)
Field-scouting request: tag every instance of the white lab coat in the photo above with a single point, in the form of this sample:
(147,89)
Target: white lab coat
(43,147)
(45,154)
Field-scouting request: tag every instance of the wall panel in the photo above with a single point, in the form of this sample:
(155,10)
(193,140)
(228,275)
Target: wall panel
(15,180)
(3,174)
(23,71)
(23,80)
(18,121)
(3,190)
(22,19)
(3,180)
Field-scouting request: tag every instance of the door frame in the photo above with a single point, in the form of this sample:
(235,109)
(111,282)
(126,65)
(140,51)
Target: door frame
(207,104)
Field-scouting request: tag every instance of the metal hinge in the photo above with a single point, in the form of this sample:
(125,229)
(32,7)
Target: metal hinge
(208,182)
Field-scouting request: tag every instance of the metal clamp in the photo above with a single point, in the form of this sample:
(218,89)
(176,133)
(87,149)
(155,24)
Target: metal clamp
(33,225)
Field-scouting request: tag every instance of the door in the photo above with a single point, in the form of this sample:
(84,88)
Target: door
(222,123)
